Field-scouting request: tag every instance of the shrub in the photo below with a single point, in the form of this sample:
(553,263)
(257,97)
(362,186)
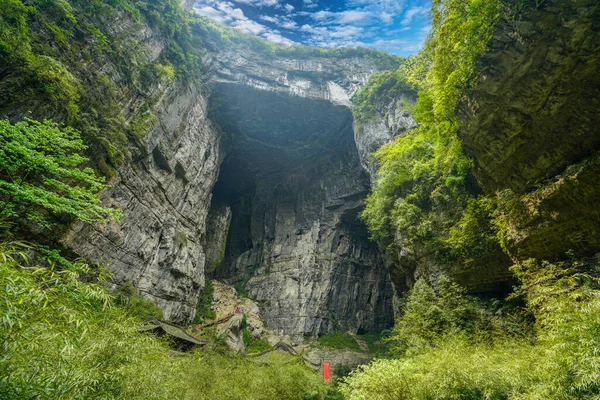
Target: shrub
(64,338)
(41,177)
(560,361)
(339,341)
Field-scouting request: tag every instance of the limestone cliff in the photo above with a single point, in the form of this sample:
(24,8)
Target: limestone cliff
(165,192)
(529,122)
(271,123)
(531,125)
(294,183)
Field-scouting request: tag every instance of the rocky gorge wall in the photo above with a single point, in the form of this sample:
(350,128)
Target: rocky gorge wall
(165,192)
(284,217)
(293,180)
(531,125)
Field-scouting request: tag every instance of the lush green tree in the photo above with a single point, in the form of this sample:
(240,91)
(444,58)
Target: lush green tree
(41,175)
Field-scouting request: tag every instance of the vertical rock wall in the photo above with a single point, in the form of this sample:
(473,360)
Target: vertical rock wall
(295,185)
(166,193)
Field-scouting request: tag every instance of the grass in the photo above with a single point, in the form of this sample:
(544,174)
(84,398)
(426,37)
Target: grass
(342,341)
(62,338)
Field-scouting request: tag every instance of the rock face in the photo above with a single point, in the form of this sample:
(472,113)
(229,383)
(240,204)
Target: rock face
(284,217)
(392,118)
(323,78)
(531,125)
(166,194)
(290,187)
(293,180)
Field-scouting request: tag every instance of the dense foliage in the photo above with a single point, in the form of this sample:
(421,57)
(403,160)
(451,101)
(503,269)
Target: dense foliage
(76,61)
(424,200)
(41,178)
(63,338)
(203,307)
(453,347)
(432,316)
(381,89)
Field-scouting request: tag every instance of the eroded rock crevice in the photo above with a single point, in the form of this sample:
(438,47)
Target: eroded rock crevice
(288,195)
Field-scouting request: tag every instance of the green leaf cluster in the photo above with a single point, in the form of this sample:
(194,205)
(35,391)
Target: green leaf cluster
(204,309)
(128,298)
(381,89)
(339,340)
(41,176)
(431,316)
(65,59)
(559,360)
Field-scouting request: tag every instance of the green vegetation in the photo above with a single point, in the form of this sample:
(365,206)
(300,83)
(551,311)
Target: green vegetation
(204,307)
(447,345)
(127,297)
(54,56)
(64,338)
(377,343)
(252,344)
(240,288)
(433,316)
(386,87)
(339,341)
(41,179)
(425,199)
(257,345)
(451,346)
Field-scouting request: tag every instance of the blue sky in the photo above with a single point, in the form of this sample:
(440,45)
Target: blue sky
(396,26)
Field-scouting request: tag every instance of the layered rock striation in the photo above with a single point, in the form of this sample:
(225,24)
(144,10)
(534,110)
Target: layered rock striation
(277,131)
(165,192)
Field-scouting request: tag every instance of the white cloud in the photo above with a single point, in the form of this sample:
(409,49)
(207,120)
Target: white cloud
(210,12)
(412,12)
(259,3)
(386,17)
(361,23)
(310,3)
(342,17)
(288,25)
(277,38)
(268,18)
(226,12)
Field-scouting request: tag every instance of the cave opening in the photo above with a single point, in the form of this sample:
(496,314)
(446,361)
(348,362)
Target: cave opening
(284,217)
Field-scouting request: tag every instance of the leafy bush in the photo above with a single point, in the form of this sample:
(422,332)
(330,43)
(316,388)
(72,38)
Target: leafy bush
(47,53)
(339,341)
(204,309)
(41,177)
(424,200)
(64,338)
(257,345)
(431,316)
(560,362)
(126,296)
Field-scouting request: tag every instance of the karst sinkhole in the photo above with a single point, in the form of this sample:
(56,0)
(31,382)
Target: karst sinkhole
(288,196)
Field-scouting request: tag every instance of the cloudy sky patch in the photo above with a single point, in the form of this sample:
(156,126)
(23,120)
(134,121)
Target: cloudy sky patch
(396,26)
